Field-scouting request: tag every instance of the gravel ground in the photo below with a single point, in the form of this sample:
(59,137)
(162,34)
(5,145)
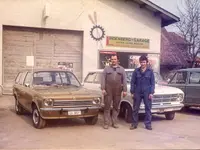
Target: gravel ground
(17,132)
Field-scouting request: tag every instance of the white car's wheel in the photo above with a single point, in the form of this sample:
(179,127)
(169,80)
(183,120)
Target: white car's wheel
(38,121)
(128,113)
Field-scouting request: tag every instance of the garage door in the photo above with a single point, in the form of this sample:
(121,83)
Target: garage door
(48,46)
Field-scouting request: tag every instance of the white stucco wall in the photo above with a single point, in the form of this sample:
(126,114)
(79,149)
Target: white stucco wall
(119,18)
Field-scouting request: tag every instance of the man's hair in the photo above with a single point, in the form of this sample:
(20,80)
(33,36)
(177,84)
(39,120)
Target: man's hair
(143,58)
(113,55)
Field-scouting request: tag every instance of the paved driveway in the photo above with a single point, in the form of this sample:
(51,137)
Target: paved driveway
(17,132)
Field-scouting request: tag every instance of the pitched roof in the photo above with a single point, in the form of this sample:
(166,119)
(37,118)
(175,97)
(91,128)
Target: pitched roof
(173,49)
(167,18)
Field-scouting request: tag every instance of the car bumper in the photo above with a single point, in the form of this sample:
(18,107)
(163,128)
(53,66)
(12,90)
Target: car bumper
(164,108)
(63,113)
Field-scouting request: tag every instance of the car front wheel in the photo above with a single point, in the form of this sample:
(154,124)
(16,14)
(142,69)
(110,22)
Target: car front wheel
(170,115)
(91,120)
(38,121)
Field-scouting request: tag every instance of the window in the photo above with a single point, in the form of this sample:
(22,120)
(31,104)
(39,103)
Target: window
(90,77)
(129,76)
(64,78)
(98,78)
(54,78)
(18,78)
(72,79)
(28,78)
(180,78)
(58,78)
(21,80)
(47,78)
(195,78)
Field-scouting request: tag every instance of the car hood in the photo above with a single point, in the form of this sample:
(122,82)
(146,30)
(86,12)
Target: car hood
(66,92)
(161,89)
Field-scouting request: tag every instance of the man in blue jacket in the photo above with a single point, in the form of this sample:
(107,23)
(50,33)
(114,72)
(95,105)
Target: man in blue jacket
(142,88)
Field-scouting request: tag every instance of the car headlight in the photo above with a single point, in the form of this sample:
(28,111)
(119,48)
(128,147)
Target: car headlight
(180,97)
(48,102)
(96,101)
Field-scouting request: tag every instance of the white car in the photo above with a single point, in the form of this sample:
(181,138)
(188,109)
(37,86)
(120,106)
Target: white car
(166,100)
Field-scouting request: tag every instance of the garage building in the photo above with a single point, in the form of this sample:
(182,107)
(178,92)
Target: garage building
(64,32)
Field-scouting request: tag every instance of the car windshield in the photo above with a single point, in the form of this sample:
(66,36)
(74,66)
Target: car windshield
(55,78)
(158,78)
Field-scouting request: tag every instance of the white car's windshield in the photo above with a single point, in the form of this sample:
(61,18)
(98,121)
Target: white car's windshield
(158,78)
(95,77)
(52,78)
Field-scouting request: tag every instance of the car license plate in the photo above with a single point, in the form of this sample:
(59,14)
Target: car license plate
(74,113)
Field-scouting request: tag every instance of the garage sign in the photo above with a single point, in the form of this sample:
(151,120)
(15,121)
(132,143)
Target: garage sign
(127,42)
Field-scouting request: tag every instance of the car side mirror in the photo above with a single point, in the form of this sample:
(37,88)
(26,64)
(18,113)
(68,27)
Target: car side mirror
(27,85)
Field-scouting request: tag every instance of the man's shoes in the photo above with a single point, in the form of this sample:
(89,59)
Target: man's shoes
(105,126)
(133,127)
(148,127)
(115,126)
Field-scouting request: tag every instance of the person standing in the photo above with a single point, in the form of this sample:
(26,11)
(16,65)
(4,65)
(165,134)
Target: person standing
(142,88)
(113,84)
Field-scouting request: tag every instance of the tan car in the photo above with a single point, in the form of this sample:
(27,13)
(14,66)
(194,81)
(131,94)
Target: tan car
(54,94)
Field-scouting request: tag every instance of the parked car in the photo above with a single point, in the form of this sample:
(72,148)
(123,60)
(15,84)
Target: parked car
(166,100)
(54,94)
(188,80)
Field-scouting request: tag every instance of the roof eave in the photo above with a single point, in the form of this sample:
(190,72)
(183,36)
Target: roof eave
(168,22)
(167,18)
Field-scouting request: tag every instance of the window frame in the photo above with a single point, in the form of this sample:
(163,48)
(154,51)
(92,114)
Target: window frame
(18,76)
(23,77)
(175,76)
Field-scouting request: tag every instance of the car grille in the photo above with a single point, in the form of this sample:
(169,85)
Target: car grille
(70,103)
(165,98)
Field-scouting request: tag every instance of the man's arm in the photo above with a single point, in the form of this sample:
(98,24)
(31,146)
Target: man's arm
(152,81)
(124,81)
(133,79)
(103,79)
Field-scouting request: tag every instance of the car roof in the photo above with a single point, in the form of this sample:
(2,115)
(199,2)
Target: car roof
(101,70)
(190,69)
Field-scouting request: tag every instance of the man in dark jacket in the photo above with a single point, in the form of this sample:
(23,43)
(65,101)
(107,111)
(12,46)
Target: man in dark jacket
(113,83)
(142,88)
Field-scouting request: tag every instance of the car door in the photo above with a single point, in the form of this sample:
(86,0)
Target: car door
(179,80)
(28,93)
(16,85)
(193,89)
(20,89)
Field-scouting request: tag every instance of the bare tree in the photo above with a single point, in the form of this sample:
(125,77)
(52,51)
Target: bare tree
(189,25)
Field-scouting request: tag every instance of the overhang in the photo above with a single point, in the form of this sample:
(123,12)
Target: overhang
(167,18)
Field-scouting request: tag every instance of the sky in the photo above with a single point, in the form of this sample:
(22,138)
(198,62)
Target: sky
(171,6)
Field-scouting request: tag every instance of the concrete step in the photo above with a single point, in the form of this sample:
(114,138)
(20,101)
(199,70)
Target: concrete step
(6,91)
